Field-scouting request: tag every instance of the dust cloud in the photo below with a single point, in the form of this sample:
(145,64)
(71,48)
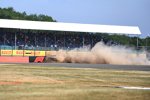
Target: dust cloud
(103,54)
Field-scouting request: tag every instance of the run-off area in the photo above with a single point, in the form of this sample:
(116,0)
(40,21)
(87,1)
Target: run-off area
(27,81)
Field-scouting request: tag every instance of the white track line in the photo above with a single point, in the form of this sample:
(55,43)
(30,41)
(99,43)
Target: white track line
(137,88)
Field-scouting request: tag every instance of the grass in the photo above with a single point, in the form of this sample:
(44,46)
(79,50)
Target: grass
(22,82)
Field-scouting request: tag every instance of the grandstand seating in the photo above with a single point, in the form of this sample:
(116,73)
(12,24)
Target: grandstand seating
(11,39)
(51,40)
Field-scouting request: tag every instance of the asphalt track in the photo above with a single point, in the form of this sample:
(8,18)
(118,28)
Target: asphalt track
(97,66)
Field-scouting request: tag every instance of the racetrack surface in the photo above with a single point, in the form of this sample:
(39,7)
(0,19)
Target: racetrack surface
(98,66)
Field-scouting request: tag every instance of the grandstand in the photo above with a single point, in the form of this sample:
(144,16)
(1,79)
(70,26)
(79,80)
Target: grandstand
(34,38)
(31,34)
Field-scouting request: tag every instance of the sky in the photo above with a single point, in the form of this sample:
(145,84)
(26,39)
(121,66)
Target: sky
(105,12)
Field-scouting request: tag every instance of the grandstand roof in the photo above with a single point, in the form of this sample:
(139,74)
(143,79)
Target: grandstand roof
(59,26)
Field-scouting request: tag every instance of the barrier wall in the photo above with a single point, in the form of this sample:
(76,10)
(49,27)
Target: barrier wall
(11,59)
(21,56)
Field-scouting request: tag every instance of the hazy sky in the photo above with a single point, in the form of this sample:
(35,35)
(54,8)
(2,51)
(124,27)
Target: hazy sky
(109,12)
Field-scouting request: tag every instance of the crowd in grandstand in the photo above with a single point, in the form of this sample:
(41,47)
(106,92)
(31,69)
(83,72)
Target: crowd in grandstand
(48,40)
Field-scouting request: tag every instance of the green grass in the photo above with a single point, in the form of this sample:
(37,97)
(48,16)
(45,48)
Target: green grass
(57,83)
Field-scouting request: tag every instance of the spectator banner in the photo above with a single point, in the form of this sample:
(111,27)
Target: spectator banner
(22,53)
(17,52)
(6,52)
(39,53)
(29,53)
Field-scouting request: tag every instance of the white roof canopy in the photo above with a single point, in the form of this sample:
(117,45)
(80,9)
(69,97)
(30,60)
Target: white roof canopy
(58,26)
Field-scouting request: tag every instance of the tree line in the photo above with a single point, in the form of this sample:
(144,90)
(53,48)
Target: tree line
(10,13)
